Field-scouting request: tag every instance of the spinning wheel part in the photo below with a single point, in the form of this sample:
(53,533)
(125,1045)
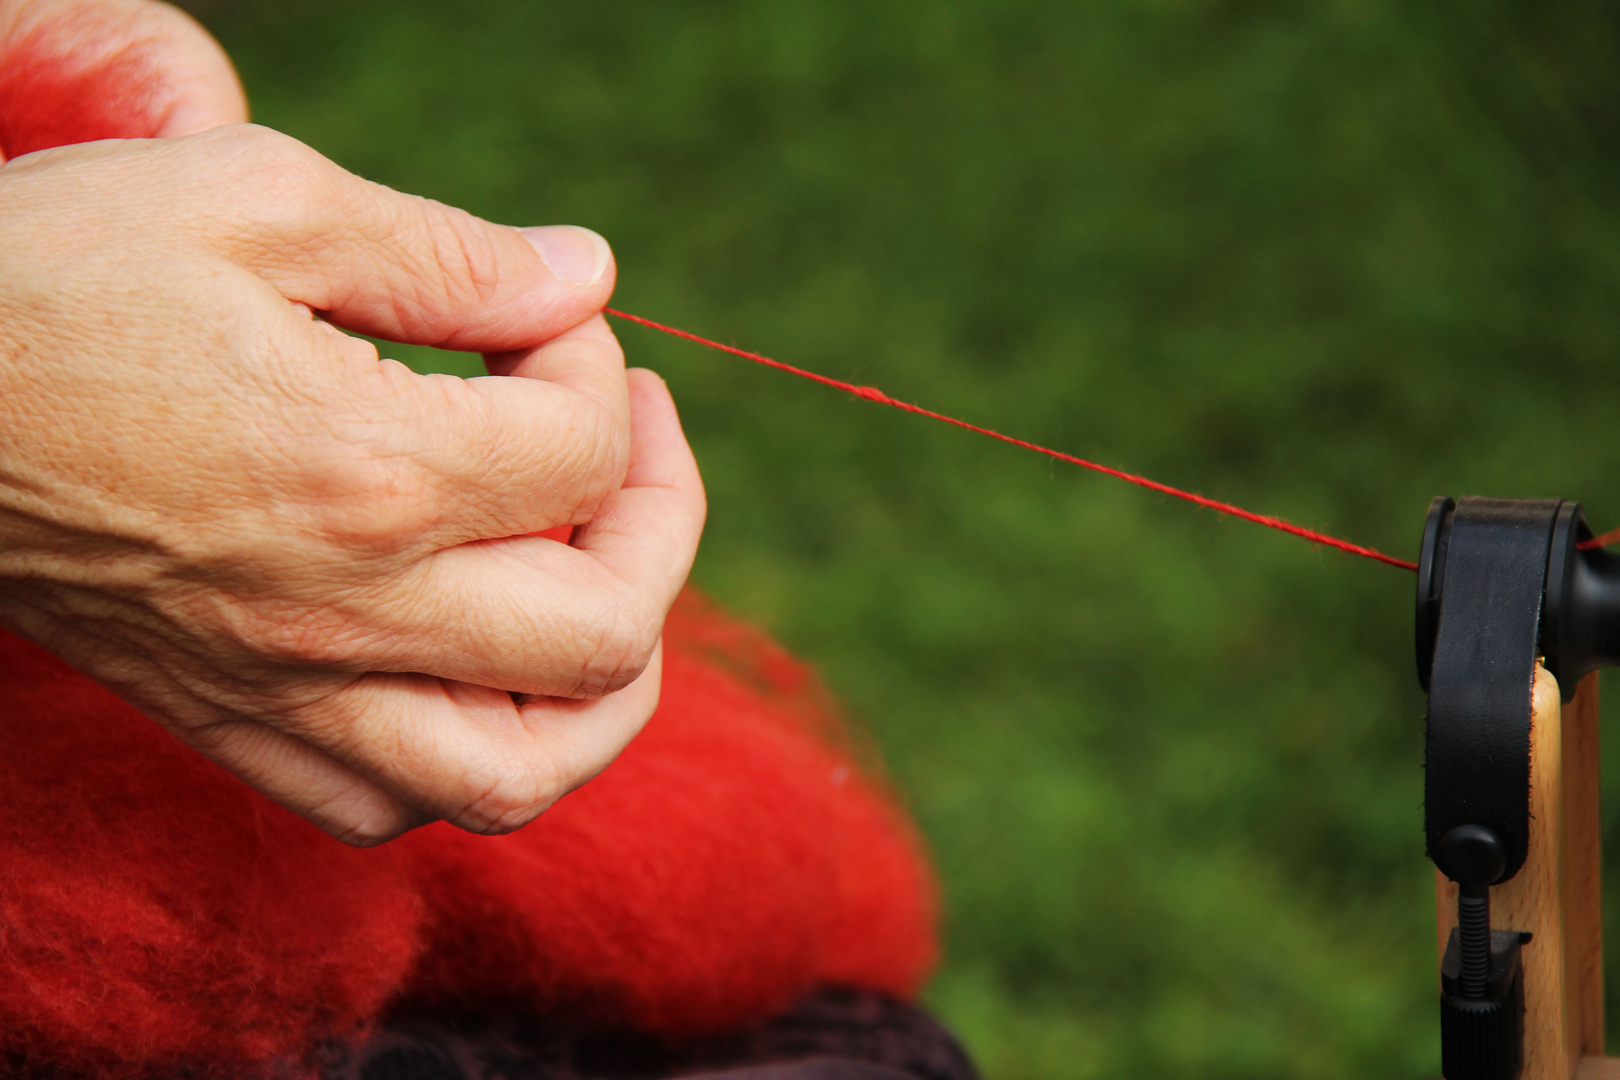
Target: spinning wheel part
(1512,617)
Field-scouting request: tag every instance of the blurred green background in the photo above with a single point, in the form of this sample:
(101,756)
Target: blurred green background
(1323,259)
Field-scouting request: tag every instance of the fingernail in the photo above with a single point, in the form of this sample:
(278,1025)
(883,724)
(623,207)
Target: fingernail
(576,255)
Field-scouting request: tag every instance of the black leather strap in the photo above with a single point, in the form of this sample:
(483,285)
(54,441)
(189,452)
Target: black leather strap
(1477,747)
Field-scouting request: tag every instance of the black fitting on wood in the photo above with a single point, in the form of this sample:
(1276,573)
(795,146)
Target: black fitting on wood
(1483,620)
(1482,1034)
(1480,582)
(1502,583)
(1580,619)
(1579,624)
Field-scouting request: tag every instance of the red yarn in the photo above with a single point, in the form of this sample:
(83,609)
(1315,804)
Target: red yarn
(56,88)
(155,915)
(1600,541)
(872,393)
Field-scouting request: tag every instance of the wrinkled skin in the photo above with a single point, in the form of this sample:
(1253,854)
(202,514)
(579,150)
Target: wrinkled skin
(307,563)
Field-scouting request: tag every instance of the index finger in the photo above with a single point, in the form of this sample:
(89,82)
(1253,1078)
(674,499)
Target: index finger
(586,359)
(531,615)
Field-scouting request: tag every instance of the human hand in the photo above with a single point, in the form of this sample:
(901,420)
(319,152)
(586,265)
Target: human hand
(306,563)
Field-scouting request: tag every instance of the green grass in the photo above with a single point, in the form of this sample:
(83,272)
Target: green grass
(1326,260)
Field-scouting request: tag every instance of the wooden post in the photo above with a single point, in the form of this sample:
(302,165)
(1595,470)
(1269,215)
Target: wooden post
(1557,895)
(1583,875)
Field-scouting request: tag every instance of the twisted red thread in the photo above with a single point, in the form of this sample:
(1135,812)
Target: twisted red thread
(1600,541)
(872,393)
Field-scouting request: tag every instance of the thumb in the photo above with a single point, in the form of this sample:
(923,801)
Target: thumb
(391,265)
(79,70)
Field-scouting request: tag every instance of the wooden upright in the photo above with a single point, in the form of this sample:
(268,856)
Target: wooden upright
(1557,895)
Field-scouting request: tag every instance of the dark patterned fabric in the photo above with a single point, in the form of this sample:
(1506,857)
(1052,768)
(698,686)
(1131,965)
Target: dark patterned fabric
(835,1034)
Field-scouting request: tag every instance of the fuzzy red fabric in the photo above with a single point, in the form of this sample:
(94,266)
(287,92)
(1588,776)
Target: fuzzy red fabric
(155,914)
(57,88)
(154,911)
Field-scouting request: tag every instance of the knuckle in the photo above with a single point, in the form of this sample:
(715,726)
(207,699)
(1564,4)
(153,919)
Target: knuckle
(369,502)
(449,258)
(300,636)
(273,179)
(464,249)
(596,458)
(518,792)
(622,648)
(360,827)
(258,153)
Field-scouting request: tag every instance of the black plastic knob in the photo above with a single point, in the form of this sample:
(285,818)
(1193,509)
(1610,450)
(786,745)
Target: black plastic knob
(1471,855)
